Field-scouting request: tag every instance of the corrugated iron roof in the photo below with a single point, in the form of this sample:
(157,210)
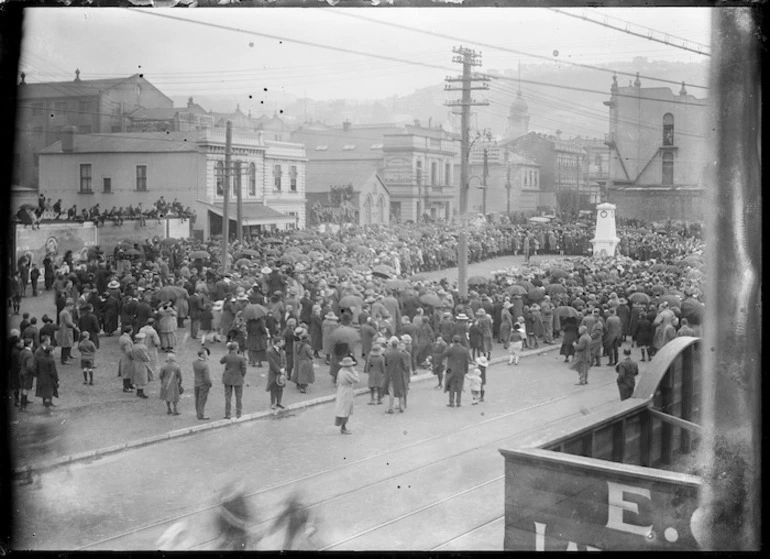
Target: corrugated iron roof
(130,142)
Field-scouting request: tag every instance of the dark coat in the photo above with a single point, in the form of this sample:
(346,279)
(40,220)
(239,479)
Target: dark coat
(235,369)
(110,309)
(47,375)
(316,332)
(89,323)
(276,360)
(457,359)
(643,334)
(303,372)
(396,370)
(570,329)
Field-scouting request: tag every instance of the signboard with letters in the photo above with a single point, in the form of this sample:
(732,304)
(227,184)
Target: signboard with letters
(562,502)
(398,170)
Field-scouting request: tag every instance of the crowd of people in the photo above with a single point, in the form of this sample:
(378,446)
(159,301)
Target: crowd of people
(353,301)
(47,210)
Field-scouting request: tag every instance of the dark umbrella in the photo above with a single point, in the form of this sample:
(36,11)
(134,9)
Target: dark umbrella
(398,284)
(342,270)
(672,300)
(535,295)
(525,284)
(657,267)
(243,262)
(552,288)
(639,297)
(344,335)
(566,312)
(383,271)
(171,293)
(478,280)
(671,269)
(557,273)
(133,252)
(337,247)
(200,254)
(351,301)
(248,252)
(431,299)
(253,311)
(693,310)
(168,241)
(516,290)
(127,280)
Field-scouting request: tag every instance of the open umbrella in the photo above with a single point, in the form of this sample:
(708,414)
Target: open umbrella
(361,268)
(337,247)
(243,262)
(431,299)
(292,250)
(248,252)
(552,288)
(397,284)
(516,290)
(535,295)
(315,255)
(558,273)
(671,269)
(693,310)
(566,312)
(133,252)
(301,258)
(272,241)
(171,293)
(253,311)
(342,270)
(289,258)
(344,336)
(169,241)
(361,249)
(383,271)
(478,280)
(639,297)
(200,254)
(525,284)
(351,301)
(125,280)
(657,267)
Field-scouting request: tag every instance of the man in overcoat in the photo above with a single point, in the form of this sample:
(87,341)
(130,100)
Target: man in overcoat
(457,359)
(66,331)
(396,373)
(582,360)
(232,378)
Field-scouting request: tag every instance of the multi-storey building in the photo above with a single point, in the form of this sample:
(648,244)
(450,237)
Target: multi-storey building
(92,106)
(658,143)
(122,170)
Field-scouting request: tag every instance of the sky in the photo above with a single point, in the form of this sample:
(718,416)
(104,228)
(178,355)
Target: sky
(239,61)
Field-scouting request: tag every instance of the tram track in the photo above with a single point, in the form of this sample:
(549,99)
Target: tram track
(286,485)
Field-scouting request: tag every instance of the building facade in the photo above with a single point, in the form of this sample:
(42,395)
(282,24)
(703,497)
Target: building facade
(658,143)
(129,169)
(44,110)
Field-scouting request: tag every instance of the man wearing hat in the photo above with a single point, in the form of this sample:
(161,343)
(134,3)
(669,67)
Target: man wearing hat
(347,378)
(276,361)
(457,359)
(627,371)
(232,378)
(142,368)
(582,360)
(396,375)
(67,331)
(460,330)
(202,382)
(329,325)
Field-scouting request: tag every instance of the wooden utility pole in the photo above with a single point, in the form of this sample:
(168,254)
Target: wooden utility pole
(468,58)
(239,202)
(485,174)
(225,206)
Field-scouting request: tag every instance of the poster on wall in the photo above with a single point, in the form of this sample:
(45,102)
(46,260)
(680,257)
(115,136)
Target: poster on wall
(54,239)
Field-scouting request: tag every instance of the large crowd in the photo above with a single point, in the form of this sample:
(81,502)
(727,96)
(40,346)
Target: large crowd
(297,300)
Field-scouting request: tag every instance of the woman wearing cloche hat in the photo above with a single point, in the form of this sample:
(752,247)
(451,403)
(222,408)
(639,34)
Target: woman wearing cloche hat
(347,377)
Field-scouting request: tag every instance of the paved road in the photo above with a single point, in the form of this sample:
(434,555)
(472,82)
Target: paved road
(431,478)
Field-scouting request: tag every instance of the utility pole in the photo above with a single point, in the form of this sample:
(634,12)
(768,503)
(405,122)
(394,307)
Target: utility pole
(508,184)
(239,202)
(485,174)
(468,58)
(225,208)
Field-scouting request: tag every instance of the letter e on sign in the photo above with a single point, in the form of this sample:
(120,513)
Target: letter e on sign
(618,506)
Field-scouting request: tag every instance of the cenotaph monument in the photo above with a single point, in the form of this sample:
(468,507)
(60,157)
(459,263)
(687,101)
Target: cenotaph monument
(605,239)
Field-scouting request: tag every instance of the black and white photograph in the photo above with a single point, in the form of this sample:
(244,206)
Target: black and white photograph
(344,275)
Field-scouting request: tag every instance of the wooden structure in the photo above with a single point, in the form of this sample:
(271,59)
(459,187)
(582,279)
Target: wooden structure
(628,442)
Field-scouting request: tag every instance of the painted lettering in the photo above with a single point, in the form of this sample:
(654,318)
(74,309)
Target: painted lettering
(617,506)
(540,540)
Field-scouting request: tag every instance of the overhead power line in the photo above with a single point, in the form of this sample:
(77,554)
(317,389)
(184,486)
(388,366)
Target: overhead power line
(651,34)
(506,49)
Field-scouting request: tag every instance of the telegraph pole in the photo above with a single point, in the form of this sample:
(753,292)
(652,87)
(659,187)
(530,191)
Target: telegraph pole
(225,208)
(239,202)
(485,174)
(468,58)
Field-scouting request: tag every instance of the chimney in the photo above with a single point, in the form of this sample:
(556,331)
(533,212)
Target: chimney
(77,74)
(346,126)
(23,75)
(189,102)
(68,139)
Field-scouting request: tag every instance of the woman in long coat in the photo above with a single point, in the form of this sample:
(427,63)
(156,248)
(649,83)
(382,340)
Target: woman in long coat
(167,327)
(506,323)
(228,314)
(375,368)
(347,378)
(330,324)
(182,306)
(642,334)
(316,330)
(303,372)
(142,370)
(170,381)
(256,341)
(47,375)
(569,328)
(111,312)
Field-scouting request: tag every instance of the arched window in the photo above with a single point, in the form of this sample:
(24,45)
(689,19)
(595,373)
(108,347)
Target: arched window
(219,171)
(252,179)
(526,177)
(668,169)
(668,129)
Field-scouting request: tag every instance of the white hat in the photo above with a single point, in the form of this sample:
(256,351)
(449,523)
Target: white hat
(461,316)
(482,361)
(266,270)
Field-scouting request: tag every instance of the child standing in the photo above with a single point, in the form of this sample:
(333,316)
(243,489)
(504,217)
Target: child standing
(87,350)
(517,341)
(473,378)
(482,365)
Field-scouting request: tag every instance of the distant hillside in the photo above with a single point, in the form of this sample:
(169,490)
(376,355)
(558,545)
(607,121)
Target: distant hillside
(550,108)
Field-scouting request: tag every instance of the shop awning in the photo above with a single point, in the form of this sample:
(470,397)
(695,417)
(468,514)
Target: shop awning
(253,214)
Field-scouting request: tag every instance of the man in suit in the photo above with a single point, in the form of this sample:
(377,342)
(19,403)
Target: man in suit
(67,329)
(457,359)
(276,361)
(202,382)
(142,312)
(232,378)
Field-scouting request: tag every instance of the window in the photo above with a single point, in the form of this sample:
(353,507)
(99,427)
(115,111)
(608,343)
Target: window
(526,178)
(141,178)
(293,178)
(668,169)
(348,147)
(252,179)
(277,177)
(321,148)
(419,172)
(83,107)
(236,188)
(447,173)
(434,173)
(85,177)
(107,181)
(668,129)
(219,172)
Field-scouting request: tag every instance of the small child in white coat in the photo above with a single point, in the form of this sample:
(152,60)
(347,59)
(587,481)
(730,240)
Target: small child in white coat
(516,343)
(473,378)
